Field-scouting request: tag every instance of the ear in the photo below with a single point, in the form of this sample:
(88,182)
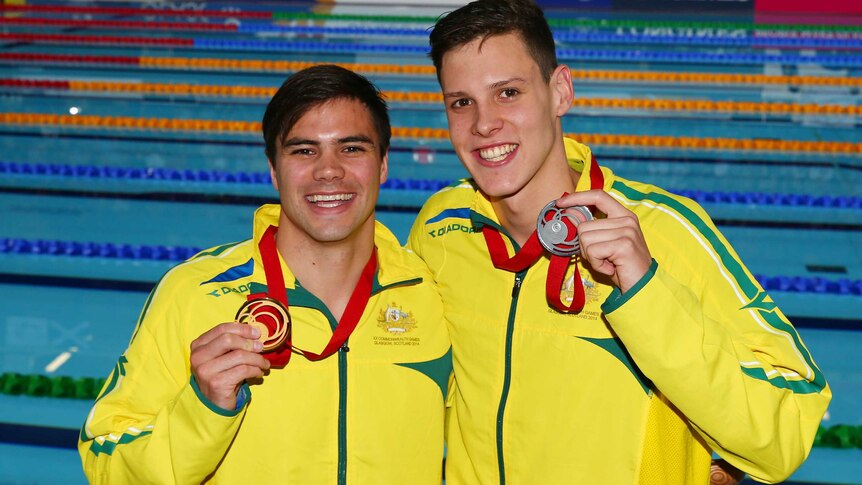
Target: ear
(384,168)
(561,87)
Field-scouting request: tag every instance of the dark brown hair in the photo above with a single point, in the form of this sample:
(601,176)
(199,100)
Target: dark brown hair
(485,18)
(316,85)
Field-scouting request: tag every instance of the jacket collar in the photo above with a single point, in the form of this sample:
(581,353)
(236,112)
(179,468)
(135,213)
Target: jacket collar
(393,267)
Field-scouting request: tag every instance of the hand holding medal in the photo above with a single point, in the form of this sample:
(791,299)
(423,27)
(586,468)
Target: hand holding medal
(613,245)
(224,357)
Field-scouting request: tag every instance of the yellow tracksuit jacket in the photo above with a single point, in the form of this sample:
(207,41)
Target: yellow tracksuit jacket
(634,389)
(373,414)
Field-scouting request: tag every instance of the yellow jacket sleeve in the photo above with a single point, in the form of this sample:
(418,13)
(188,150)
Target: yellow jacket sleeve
(710,339)
(150,423)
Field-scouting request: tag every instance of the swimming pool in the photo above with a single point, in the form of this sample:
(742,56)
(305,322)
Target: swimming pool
(129,142)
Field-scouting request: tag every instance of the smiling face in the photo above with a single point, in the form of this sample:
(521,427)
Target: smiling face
(504,117)
(328,170)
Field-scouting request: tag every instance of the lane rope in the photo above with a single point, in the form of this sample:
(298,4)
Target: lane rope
(265,93)
(412,132)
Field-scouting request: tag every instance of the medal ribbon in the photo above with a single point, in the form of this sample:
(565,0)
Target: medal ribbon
(533,250)
(276,289)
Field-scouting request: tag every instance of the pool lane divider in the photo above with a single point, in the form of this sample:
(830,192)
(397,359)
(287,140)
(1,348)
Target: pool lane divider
(126,11)
(285,67)
(104,40)
(162,174)
(302,16)
(120,24)
(749,40)
(265,93)
(240,127)
(326,47)
(175,254)
(135,252)
(65,387)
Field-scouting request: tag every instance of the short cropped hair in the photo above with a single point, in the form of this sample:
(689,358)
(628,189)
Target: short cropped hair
(311,87)
(486,18)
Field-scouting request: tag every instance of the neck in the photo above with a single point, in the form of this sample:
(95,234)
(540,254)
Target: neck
(518,212)
(329,270)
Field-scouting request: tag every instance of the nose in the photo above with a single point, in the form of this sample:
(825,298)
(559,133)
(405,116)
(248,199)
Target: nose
(328,167)
(487,119)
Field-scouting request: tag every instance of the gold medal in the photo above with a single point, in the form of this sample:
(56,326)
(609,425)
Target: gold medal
(270,317)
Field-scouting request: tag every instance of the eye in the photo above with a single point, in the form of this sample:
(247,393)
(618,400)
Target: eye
(460,103)
(354,149)
(302,152)
(509,93)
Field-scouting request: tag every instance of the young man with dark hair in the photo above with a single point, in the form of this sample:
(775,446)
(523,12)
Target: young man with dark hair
(627,363)
(193,399)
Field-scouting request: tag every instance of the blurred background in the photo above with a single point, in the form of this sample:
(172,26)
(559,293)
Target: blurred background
(130,139)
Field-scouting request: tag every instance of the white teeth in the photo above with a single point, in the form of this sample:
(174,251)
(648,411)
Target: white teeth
(498,153)
(329,200)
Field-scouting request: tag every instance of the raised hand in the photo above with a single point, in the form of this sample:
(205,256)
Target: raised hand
(613,245)
(223,358)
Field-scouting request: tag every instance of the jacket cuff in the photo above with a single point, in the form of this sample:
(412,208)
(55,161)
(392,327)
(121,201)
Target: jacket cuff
(617,298)
(242,397)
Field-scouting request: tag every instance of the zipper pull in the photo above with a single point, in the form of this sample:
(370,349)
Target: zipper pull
(517,288)
(344,347)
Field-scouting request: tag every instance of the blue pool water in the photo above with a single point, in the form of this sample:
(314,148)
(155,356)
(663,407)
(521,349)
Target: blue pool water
(157,191)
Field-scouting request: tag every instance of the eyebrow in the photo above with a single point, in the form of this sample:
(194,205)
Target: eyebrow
(356,139)
(288,142)
(496,85)
(347,139)
(500,84)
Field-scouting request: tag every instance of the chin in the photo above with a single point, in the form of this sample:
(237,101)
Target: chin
(326,234)
(496,188)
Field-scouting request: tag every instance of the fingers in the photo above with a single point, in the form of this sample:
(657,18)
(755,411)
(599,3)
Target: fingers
(616,254)
(245,331)
(223,357)
(614,245)
(235,358)
(225,342)
(221,388)
(598,198)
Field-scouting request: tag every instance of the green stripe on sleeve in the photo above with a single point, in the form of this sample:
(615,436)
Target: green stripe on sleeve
(748,285)
(108,447)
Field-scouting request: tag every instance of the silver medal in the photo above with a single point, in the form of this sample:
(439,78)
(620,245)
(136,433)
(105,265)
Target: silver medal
(553,231)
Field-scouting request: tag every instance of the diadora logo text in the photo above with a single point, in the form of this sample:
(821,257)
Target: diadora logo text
(224,290)
(453,227)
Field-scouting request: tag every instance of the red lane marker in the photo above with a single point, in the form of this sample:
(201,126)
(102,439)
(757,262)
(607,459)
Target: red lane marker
(98,39)
(120,24)
(135,11)
(34,83)
(4,56)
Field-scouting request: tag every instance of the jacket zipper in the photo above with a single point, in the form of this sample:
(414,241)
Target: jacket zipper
(342,414)
(507,377)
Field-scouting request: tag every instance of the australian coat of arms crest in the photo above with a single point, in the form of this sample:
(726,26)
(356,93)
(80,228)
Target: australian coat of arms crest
(395,320)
